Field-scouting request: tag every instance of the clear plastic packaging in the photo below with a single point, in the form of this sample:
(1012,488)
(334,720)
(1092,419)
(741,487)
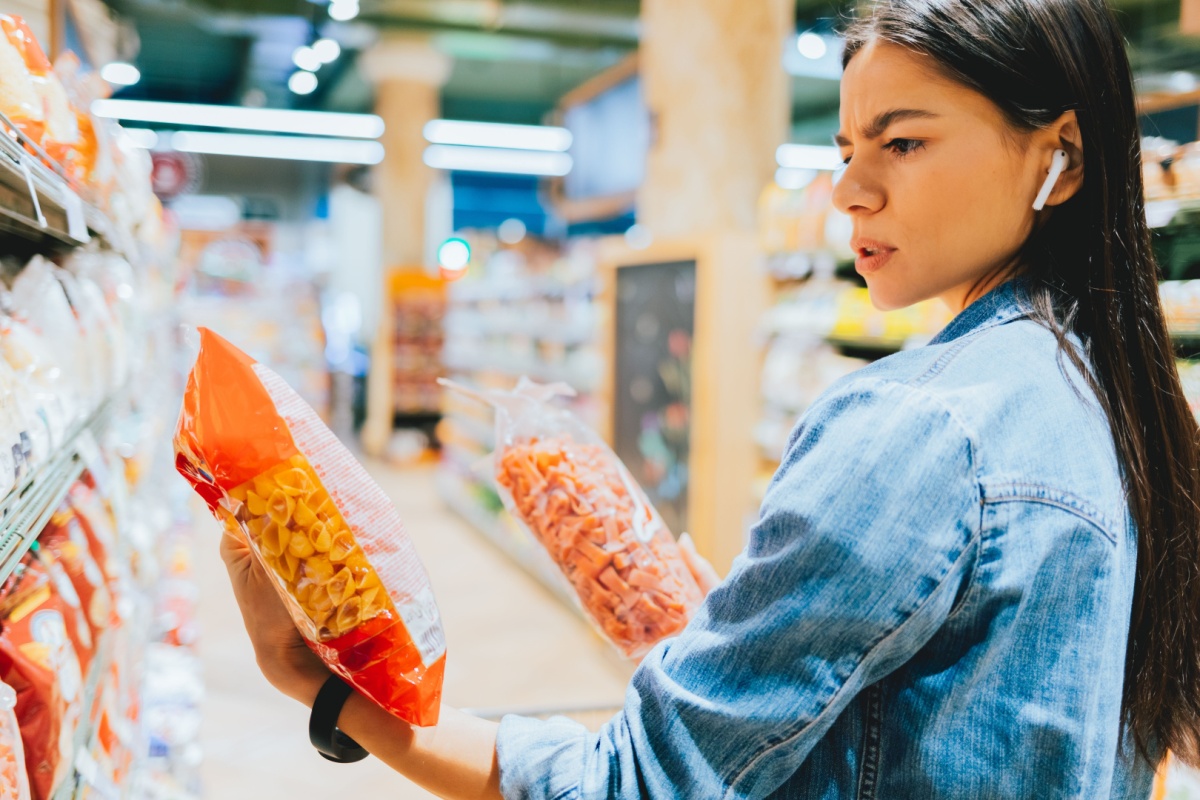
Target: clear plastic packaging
(20,100)
(39,302)
(333,543)
(34,364)
(14,780)
(563,483)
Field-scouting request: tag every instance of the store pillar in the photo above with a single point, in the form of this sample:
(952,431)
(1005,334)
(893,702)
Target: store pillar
(715,84)
(408,73)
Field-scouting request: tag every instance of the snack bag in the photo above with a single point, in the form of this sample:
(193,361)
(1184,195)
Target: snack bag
(559,479)
(64,539)
(14,780)
(38,661)
(277,477)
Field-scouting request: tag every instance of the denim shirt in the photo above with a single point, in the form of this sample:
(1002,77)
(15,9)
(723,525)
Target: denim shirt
(934,603)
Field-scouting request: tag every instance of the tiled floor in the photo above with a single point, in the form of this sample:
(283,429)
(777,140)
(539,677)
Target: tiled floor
(510,645)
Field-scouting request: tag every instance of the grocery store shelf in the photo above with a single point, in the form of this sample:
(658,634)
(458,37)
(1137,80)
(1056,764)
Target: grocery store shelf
(524,289)
(569,334)
(84,770)
(532,559)
(27,509)
(29,184)
(578,379)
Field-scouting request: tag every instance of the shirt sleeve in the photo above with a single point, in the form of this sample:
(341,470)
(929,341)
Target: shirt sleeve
(865,538)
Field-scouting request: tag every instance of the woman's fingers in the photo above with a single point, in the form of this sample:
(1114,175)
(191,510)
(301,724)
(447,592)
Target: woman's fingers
(706,577)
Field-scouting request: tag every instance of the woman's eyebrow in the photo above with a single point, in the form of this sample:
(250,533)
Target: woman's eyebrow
(885,120)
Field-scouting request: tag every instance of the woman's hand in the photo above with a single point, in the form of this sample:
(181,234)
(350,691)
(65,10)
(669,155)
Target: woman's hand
(706,577)
(285,660)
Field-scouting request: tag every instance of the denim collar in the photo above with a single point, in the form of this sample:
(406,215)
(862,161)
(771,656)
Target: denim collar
(1006,302)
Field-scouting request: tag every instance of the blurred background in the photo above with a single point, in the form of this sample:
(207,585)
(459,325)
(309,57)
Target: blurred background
(630,198)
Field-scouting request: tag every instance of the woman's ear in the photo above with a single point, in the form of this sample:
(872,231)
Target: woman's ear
(1063,134)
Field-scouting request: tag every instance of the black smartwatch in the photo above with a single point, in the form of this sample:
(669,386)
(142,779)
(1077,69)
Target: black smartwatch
(322,724)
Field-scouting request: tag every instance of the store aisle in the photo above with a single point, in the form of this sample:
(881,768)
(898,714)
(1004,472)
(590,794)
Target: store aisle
(511,645)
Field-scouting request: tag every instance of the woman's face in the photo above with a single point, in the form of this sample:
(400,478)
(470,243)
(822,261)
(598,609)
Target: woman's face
(940,188)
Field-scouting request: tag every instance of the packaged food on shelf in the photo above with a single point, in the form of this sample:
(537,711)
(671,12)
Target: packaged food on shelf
(19,100)
(31,358)
(37,659)
(578,500)
(65,539)
(40,302)
(278,479)
(14,779)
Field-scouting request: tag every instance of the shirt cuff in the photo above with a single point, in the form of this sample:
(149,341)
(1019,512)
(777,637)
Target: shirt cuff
(540,759)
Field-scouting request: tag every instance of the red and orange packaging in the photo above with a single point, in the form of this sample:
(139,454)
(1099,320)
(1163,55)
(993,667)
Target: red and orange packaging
(14,780)
(571,492)
(38,660)
(270,470)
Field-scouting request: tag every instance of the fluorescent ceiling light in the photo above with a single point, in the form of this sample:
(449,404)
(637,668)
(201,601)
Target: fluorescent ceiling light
(489,159)
(492,134)
(274,120)
(118,73)
(290,148)
(794,179)
(306,58)
(343,10)
(302,82)
(808,156)
(142,137)
(811,45)
(327,50)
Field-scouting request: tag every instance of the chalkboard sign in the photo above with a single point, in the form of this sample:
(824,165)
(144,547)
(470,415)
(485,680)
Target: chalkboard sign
(652,391)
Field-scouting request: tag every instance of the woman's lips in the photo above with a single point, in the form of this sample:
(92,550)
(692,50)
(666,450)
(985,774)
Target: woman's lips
(865,264)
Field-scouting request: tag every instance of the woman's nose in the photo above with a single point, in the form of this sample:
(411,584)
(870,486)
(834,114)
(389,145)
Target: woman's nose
(856,193)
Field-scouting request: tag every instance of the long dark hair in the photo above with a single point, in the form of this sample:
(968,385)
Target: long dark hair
(1093,273)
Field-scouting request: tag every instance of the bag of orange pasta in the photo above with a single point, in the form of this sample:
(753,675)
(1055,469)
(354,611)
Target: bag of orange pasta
(562,482)
(336,547)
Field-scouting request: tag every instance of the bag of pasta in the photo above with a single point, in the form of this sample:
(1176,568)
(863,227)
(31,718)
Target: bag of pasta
(337,550)
(562,482)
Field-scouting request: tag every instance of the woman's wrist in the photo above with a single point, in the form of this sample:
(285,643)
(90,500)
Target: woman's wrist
(301,682)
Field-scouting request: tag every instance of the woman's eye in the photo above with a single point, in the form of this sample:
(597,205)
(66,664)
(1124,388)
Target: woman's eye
(904,147)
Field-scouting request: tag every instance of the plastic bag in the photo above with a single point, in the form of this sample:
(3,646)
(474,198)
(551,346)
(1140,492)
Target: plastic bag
(559,479)
(275,475)
(30,358)
(38,661)
(59,127)
(14,780)
(65,539)
(40,302)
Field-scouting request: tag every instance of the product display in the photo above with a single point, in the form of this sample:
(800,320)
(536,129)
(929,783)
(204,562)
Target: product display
(14,779)
(348,574)
(86,375)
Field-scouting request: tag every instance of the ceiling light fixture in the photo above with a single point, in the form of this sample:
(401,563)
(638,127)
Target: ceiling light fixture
(289,148)
(491,159)
(492,134)
(327,50)
(274,120)
(306,58)
(118,73)
(811,45)
(808,156)
(302,82)
(142,137)
(343,10)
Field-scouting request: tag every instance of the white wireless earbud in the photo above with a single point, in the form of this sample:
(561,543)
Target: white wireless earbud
(1056,169)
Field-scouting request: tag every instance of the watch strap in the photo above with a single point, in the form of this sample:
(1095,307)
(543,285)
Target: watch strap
(322,724)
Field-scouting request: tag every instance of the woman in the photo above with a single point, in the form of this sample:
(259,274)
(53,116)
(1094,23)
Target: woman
(977,572)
